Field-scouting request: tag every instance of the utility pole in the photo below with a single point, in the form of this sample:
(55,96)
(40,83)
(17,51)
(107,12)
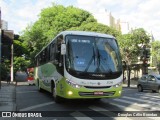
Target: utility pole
(12,75)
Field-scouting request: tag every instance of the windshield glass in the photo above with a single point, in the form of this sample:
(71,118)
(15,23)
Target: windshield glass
(88,54)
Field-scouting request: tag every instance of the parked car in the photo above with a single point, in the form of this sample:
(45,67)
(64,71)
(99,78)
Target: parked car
(21,76)
(149,82)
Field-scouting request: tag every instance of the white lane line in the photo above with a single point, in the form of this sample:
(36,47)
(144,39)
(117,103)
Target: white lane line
(150,98)
(148,95)
(147,101)
(108,113)
(128,108)
(80,116)
(137,104)
(101,110)
(36,106)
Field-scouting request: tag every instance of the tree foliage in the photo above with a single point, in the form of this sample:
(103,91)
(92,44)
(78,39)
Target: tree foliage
(97,27)
(21,60)
(55,19)
(156,54)
(132,43)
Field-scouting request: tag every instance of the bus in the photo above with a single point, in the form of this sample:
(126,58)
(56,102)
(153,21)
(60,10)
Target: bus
(80,65)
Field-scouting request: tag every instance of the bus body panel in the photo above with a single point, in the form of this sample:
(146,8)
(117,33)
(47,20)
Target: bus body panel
(70,86)
(47,73)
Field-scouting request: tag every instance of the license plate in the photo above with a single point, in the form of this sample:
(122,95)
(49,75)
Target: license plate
(98,93)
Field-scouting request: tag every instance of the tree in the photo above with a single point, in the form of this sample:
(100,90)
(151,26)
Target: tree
(130,46)
(55,19)
(21,56)
(97,27)
(156,54)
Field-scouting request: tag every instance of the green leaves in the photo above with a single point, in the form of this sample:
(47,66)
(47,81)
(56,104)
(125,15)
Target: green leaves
(156,52)
(53,20)
(131,44)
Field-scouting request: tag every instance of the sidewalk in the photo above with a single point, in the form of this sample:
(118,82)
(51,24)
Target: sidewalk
(133,84)
(7,97)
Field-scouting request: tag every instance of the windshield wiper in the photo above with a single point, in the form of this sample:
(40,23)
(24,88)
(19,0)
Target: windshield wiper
(90,62)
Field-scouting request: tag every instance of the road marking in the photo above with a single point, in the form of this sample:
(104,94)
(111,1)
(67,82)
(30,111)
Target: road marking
(77,115)
(128,108)
(36,106)
(137,104)
(101,110)
(124,107)
(147,101)
(149,95)
(108,113)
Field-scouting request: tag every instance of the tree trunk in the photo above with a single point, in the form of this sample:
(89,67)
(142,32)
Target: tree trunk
(129,73)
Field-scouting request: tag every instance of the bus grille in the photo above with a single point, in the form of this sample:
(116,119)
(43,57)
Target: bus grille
(97,87)
(92,94)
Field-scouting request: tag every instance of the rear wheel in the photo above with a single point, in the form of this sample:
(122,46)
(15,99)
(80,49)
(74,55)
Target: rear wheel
(140,89)
(39,86)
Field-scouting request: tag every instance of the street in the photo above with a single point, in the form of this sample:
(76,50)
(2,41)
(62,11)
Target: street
(28,98)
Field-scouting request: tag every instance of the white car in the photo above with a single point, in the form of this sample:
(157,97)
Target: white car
(149,82)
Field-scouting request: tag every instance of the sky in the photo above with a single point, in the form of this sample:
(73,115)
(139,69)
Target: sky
(138,13)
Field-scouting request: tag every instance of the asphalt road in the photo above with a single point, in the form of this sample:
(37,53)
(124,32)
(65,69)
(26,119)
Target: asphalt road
(28,98)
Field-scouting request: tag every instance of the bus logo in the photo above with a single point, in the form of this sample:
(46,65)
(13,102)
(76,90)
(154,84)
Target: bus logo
(98,75)
(99,83)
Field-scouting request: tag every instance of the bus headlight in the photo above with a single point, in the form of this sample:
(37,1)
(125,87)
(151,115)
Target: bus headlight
(117,85)
(71,83)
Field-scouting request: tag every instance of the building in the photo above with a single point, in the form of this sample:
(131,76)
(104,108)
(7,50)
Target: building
(4,25)
(111,21)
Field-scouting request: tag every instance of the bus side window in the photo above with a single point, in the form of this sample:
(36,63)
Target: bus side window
(52,51)
(37,61)
(58,55)
(48,53)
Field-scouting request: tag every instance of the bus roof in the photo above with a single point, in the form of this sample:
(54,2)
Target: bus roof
(84,33)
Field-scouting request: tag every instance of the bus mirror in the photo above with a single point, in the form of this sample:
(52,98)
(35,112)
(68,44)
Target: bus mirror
(63,49)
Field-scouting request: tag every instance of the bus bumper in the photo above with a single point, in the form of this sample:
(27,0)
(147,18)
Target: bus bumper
(70,92)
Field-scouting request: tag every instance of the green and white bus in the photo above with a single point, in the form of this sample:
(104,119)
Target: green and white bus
(80,65)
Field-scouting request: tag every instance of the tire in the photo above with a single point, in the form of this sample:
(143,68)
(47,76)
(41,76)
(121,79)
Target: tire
(56,98)
(158,89)
(153,91)
(39,87)
(140,89)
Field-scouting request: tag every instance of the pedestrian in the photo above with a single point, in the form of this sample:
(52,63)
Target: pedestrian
(8,79)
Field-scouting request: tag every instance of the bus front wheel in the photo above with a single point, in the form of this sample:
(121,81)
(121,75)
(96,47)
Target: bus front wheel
(57,99)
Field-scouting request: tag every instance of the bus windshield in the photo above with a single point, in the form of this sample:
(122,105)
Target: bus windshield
(96,56)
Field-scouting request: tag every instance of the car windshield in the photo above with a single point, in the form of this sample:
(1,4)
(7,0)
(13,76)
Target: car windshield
(92,54)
